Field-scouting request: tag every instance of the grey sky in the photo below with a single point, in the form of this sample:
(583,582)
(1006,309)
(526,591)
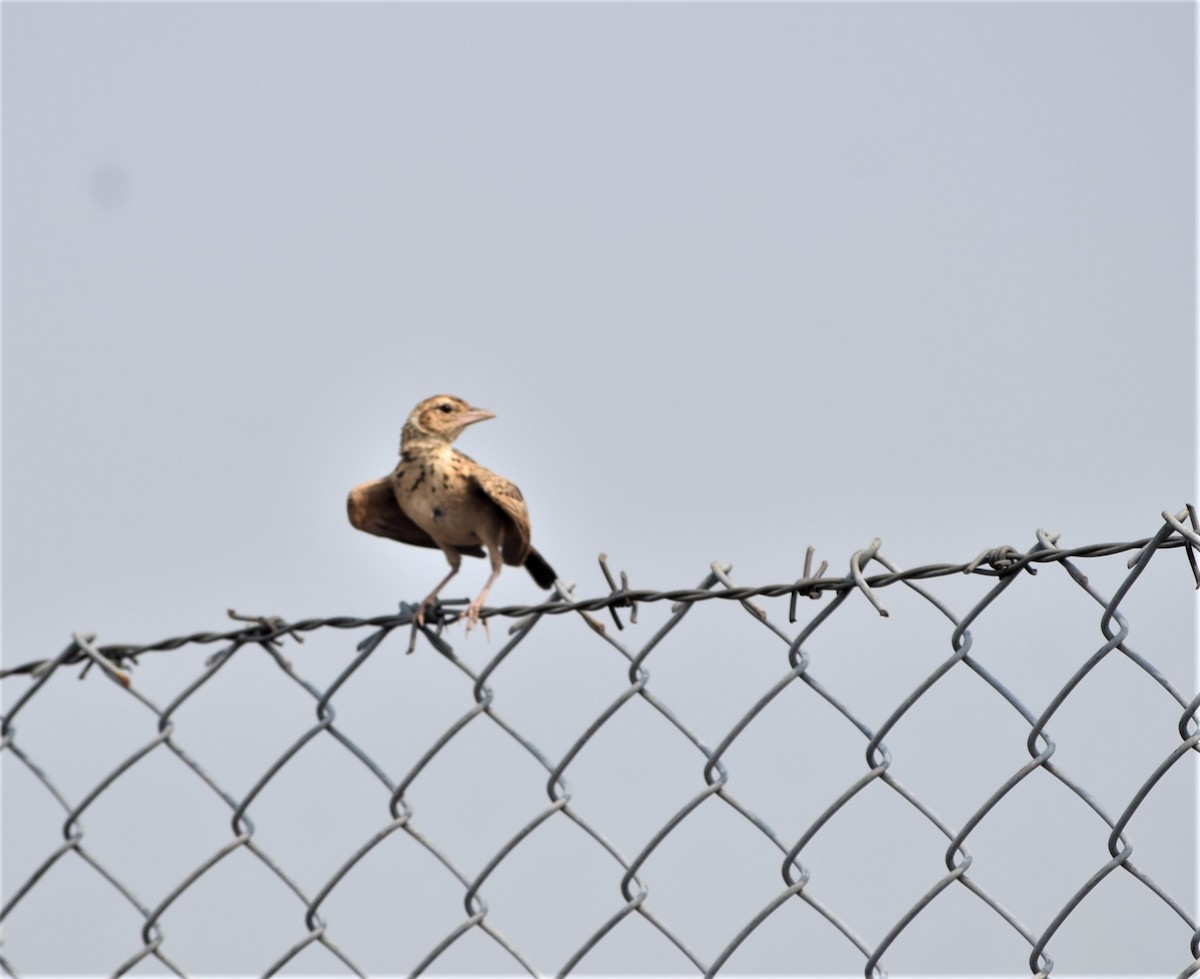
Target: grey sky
(735,278)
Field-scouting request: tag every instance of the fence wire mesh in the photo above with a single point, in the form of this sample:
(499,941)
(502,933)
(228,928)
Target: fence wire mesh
(215,818)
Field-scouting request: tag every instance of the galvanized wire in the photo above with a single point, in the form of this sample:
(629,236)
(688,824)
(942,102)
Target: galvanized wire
(1005,565)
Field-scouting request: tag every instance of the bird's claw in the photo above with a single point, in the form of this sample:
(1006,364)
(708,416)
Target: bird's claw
(419,616)
(472,617)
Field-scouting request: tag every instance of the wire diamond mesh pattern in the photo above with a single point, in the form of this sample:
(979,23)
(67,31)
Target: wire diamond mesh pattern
(523,790)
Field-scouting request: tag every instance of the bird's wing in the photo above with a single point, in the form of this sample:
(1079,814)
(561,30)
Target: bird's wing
(372,507)
(513,512)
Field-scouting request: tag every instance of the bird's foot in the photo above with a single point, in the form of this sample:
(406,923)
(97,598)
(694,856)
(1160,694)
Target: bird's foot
(429,603)
(472,617)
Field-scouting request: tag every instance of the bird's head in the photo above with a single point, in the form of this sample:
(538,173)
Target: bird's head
(441,419)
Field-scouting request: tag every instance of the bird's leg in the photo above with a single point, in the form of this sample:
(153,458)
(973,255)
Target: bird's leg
(475,606)
(430,600)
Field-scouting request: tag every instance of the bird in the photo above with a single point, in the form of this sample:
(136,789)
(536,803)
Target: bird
(440,497)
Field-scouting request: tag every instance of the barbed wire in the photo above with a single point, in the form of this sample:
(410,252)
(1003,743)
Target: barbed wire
(399,812)
(996,562)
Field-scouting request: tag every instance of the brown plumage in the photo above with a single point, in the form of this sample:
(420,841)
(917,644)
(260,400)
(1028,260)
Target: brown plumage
(439,497)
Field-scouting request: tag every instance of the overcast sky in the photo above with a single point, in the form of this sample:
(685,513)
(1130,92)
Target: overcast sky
(735,279)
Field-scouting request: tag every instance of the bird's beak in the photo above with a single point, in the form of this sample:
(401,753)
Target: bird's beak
(474,415)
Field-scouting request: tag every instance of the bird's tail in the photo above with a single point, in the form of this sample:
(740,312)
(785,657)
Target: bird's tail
(537,566)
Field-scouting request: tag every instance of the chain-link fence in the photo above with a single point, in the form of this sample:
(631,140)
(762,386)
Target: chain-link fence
(881,777)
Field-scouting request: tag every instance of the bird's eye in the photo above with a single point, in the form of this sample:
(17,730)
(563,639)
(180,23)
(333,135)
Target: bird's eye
(446,408)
